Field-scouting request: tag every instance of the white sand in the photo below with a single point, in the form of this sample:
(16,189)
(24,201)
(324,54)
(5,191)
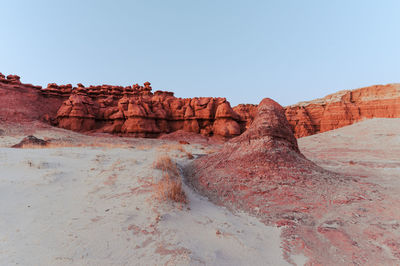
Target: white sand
(369,149)
(95,206)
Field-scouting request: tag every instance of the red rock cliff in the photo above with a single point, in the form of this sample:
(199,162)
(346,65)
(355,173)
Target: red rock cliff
(136,111)
(344,108)
(25,102)
(130,111)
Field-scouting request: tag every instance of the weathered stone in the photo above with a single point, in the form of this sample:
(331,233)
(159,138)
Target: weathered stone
(344,108)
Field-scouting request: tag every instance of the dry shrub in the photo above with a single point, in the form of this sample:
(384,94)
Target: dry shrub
(180,148)
(171,147)
(165,164)
(210,151)
(143,147)
(170,186)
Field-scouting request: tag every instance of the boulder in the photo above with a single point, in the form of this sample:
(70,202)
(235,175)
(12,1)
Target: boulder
(30,142)
(14,79)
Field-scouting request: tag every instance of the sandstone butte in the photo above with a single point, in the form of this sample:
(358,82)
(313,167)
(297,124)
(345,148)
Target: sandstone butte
(137,111)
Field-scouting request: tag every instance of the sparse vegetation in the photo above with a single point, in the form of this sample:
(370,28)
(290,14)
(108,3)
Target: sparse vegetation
(180,148)
(171,147)
(165,164)
(210,151)
(170,185)
(170,188)
(143,147)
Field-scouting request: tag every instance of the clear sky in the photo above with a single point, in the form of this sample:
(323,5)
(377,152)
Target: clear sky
(242,50)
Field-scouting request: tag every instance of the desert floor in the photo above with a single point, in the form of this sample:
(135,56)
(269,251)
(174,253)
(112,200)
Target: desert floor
(90,200)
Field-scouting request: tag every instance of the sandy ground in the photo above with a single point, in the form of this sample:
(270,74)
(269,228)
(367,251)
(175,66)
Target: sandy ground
(95,205)
(369,150)
(89,200)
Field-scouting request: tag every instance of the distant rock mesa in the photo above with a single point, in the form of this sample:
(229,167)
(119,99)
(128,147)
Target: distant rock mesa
(344,108)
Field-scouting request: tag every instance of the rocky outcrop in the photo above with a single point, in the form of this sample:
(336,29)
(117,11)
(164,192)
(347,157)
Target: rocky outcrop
(130,111)
(258,170)
(26,102)
(246,112)
(344,108)
(136,111)
(251,165)
(30,142)
(262,172)
(266,150)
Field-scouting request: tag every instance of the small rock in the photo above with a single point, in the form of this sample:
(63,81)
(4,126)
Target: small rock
(30,141)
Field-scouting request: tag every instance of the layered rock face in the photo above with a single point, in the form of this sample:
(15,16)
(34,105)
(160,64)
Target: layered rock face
(25,102)
(129,111)
(136,111)
(344,108)
(247,112)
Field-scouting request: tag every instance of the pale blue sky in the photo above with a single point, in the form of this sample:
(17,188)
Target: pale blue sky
(242,50)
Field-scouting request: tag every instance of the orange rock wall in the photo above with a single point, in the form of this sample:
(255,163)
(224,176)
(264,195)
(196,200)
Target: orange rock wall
(136,111)
(344,108)
(25,102)
(129,111)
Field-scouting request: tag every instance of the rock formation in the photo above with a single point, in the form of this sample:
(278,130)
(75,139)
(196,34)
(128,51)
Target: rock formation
(137,111)
(30,142)
(262,172)
(247,112)
(254,163)
(129,111)
(344,108)
(25,102)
